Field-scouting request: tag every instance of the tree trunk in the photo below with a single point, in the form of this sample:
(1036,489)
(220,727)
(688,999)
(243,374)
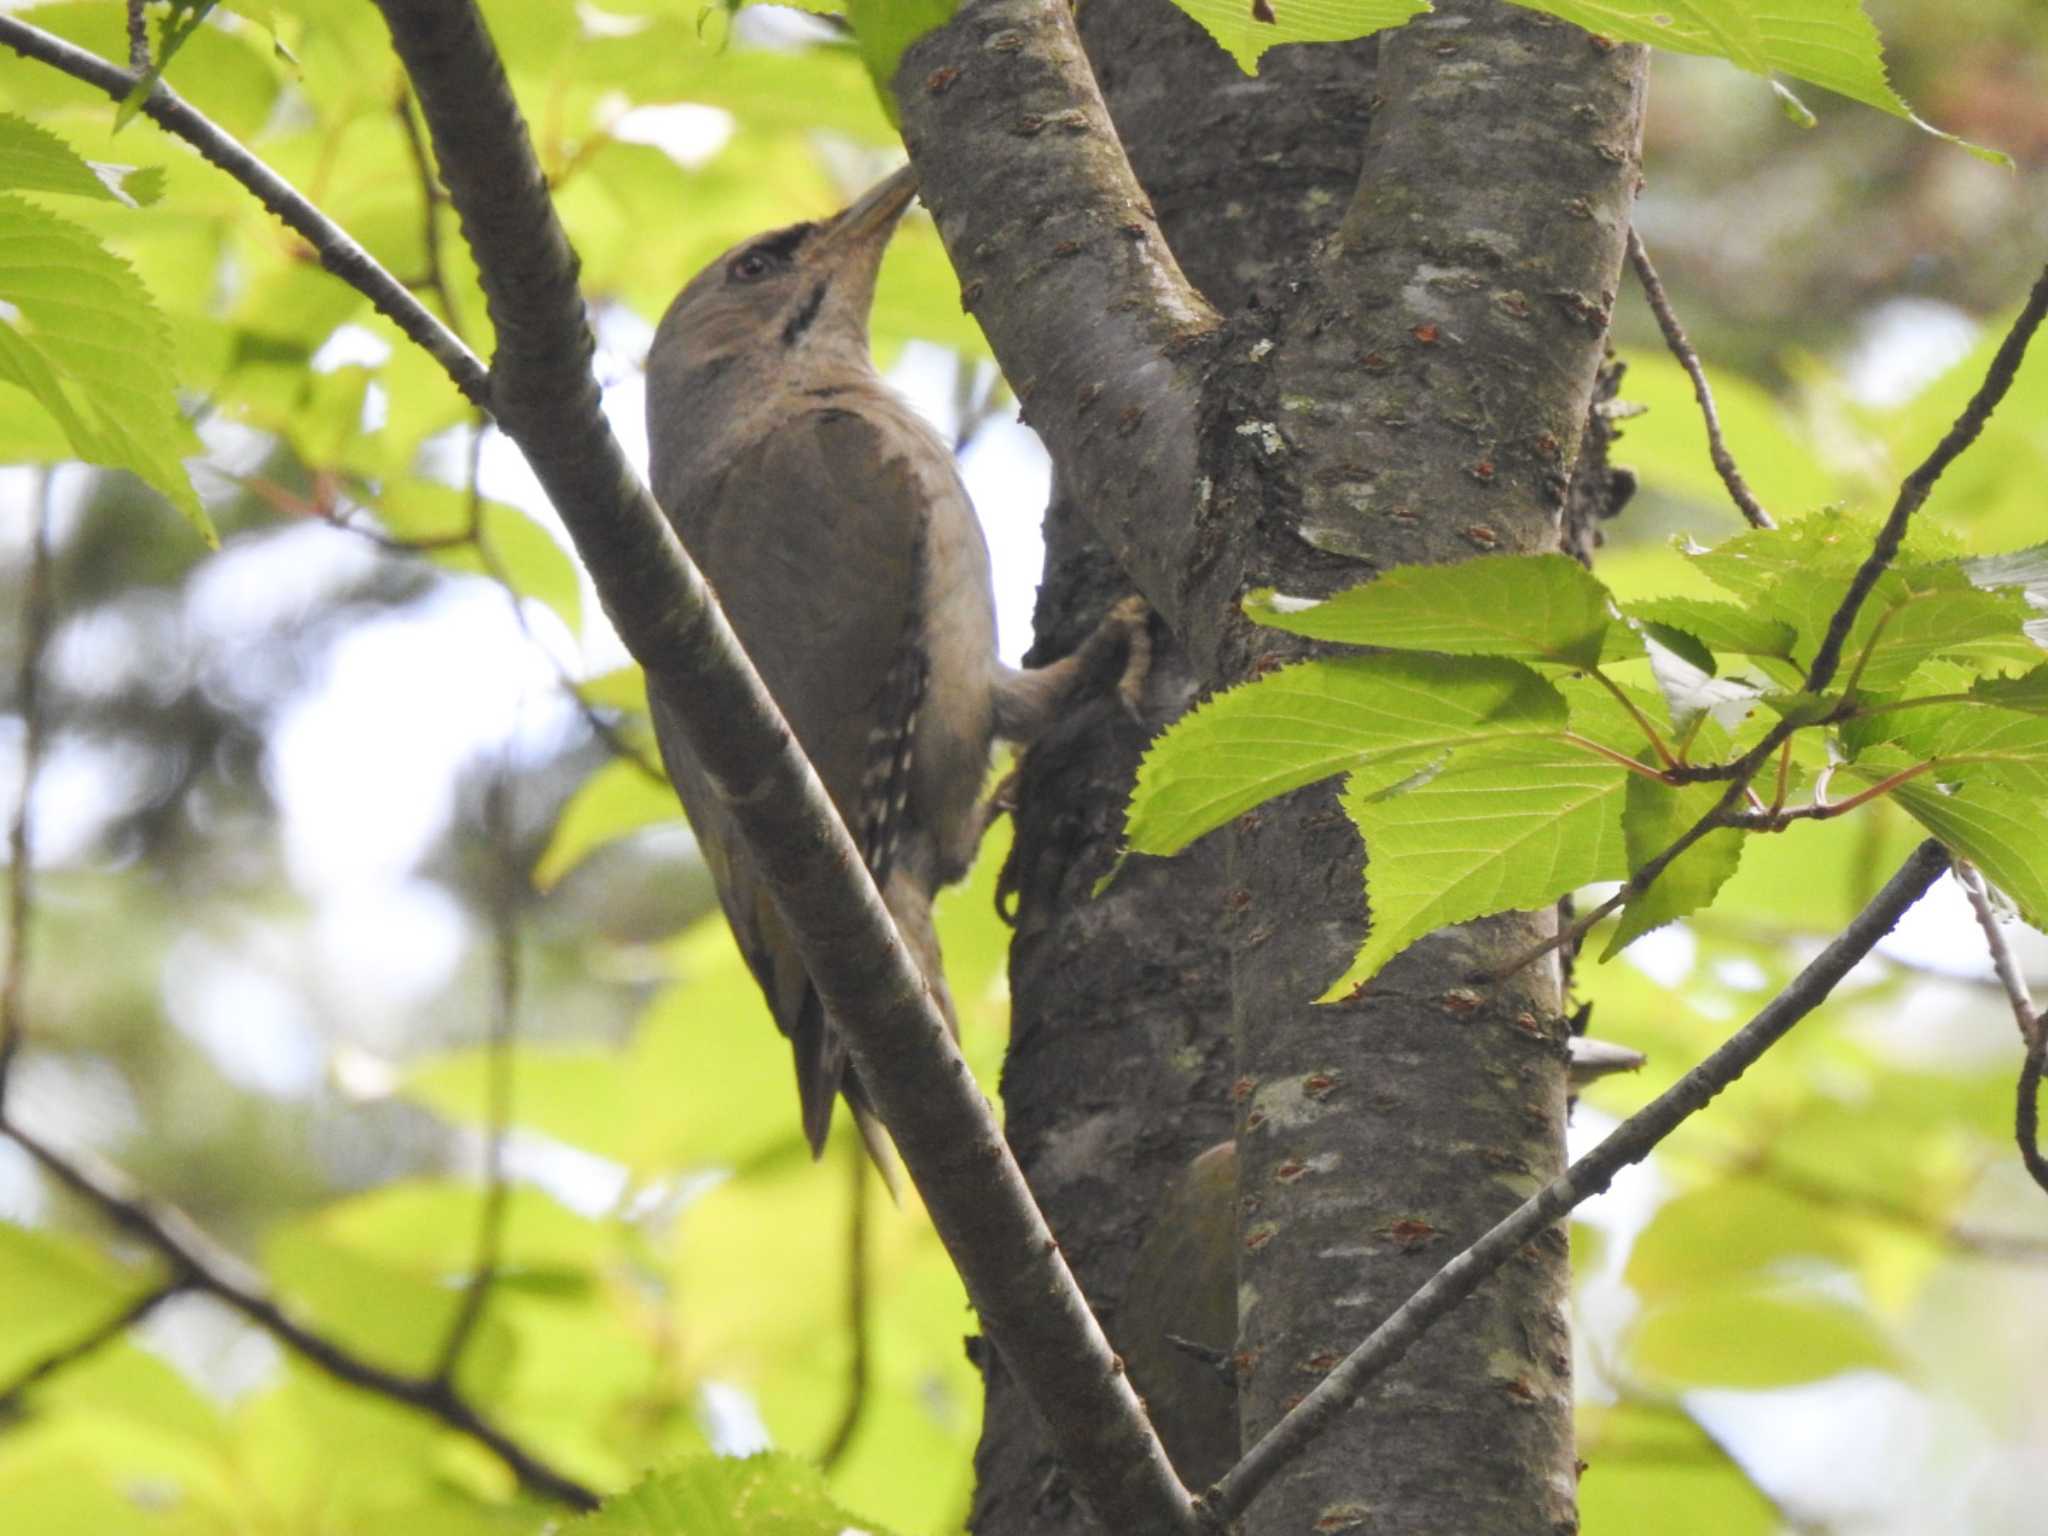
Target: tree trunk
(1424,351)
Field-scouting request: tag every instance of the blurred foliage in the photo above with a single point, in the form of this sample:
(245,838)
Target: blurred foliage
(291,1049)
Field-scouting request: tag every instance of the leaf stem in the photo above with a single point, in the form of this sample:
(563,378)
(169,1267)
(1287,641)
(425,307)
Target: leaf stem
(1622,759)
(1642,721)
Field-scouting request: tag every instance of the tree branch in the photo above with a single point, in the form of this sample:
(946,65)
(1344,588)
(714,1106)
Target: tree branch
(338,252)
(2003,964)
(1630,1142)
(1046,224)
(1917,486)
(859,1377)
(196,1261)
(490,1233)
(200,1264)
(1675,338)
(546,399)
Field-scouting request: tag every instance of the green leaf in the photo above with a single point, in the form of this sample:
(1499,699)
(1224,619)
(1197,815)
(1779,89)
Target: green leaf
(623,689)
(1667,443)
(1921,625)
(509,544)
(1729,628)
(1653,817)
(428,1227)
(1830,43)
(1740,1231)
(1752,565)
(1545,608)
(53,1290)
(882,29)
(2008,746)
(394,1317)
(767,1495)
(1752,1338)
(84,338)
(1913,613)
(2028,691)
(1306,722)
(2003,831)
(1645,1457)
(617,799)
(32,159)
(1245,29)
(1504,827)
(704,1083)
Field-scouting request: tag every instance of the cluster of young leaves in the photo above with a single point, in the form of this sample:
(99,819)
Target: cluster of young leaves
(1518,734)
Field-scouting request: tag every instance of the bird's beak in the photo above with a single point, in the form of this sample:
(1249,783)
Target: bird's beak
(1592,1059)
(868,222)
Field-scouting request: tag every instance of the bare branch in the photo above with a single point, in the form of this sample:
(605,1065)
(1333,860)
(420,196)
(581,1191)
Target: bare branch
(2027,1114)
(203,1265)
(490,1232)
(1999,1247)
(1630,1142)
(2003,963)
(546,400)
(1917,486)
(35,631)
(138,36)
(196,1261)
(1674,338)
(858,1197)
(338,252)
(432,198)
(2033,1027)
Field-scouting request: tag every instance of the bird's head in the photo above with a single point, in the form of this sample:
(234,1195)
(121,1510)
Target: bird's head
(794,300)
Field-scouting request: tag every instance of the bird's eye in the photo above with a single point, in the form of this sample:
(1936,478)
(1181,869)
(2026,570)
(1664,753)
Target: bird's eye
(749,266)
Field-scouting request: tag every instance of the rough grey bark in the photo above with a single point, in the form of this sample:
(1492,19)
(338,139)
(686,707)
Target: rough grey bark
(1120,1063)
(1415,390)
(1429,386)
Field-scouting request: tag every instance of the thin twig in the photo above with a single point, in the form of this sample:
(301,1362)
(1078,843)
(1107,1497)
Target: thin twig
(2027,1115)
(2033,1036)
(608,734)
(138,37)
(2002,961)
(2000,1247)
(35,632)
(1919,485)
(1630,1142)
(206,1266)
(87,1343)
(490,1235)
(1689,360)
(857,1371)
(338,251)
(433,199)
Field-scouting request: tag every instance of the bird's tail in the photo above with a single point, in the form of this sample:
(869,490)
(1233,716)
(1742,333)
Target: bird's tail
(881,1150)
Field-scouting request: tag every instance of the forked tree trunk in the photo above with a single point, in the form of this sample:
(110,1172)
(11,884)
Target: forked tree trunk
(1124,1062)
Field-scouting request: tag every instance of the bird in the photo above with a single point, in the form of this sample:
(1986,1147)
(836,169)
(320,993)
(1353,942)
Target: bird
(832,524)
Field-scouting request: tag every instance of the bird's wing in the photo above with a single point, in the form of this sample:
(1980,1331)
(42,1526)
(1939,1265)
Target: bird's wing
(813,539)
